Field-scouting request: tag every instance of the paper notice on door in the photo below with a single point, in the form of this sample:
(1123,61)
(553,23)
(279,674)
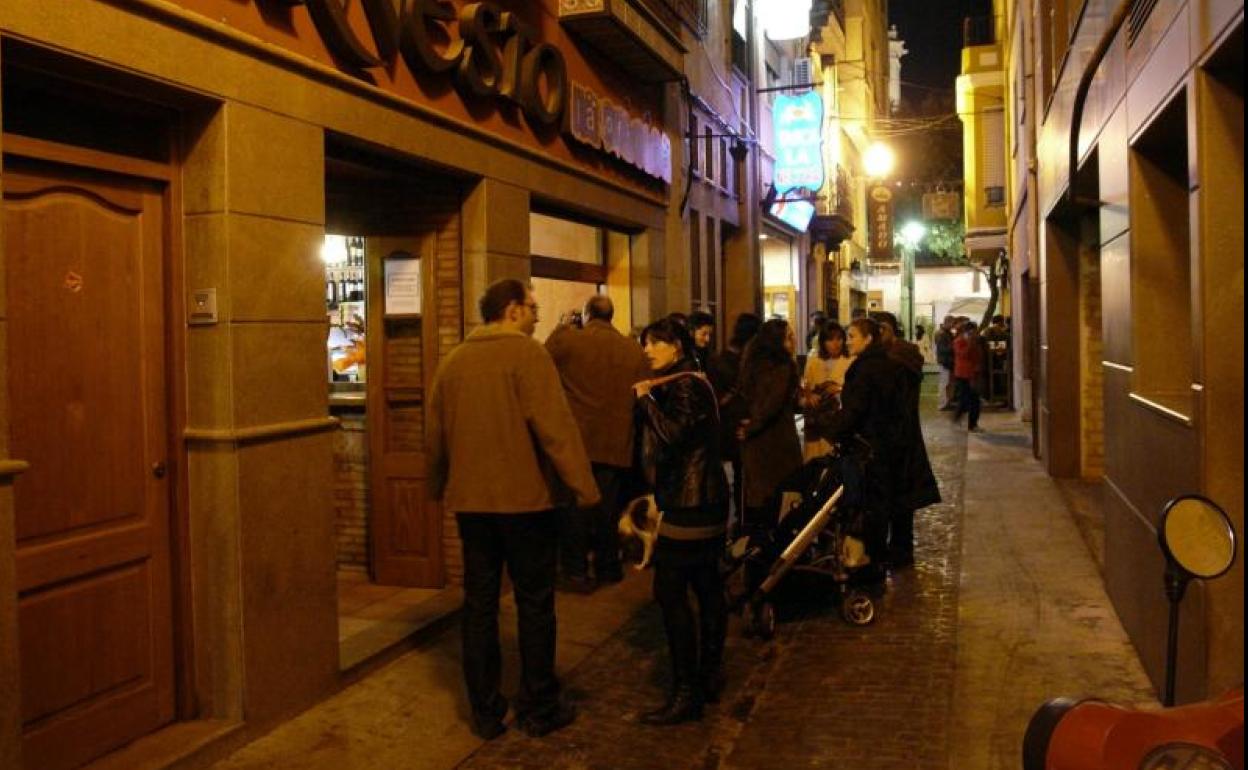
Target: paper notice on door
(402,277)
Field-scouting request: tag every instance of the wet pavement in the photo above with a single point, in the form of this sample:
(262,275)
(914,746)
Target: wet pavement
(1003,609)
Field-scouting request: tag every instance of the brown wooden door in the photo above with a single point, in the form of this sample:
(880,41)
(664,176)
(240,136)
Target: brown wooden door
(406,526)
(86,375)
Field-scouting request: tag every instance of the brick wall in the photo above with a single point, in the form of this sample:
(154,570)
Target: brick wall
(1091,376)
(449,283)
(351,491)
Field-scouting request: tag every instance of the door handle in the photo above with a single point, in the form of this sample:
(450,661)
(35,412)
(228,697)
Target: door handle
(158,470)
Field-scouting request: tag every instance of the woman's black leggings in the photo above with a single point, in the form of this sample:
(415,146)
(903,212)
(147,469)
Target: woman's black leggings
(671,590)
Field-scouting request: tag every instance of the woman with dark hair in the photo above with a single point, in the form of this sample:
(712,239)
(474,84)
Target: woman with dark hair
(823,378)
(724,371)
(872,407)
(770,449)
(702,328)
(678,448)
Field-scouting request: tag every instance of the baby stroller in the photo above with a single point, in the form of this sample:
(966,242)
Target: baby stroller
(818,530)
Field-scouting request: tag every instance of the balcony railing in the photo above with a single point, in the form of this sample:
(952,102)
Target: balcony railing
(631,33)
(978,30)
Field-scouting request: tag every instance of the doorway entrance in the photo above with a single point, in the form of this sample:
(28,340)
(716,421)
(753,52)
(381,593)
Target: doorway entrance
(88,389)
(89,205)
(392,261)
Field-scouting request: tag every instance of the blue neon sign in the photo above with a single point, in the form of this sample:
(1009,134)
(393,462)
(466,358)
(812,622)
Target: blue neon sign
(798,125)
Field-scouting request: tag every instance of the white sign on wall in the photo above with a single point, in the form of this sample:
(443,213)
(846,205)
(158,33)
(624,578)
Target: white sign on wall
(402,280)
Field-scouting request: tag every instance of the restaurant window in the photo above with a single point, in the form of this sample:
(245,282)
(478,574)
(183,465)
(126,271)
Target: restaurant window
(572,260)
(780,276)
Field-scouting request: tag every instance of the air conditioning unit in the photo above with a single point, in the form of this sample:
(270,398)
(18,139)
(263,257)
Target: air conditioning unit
(803,74)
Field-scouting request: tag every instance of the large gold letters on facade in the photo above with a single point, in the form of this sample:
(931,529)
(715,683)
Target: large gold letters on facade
(491,53)
(494,54)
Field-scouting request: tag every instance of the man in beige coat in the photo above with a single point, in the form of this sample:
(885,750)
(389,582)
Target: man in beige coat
(598,367)
(503,452)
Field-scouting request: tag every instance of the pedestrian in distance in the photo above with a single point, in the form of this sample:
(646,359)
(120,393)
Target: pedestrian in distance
(501,440)
(945,360)
(968,366)
(597,367)
(817,319)
(678,441)
(923,341)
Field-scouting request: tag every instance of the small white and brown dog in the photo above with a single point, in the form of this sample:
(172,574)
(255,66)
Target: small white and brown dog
(639,529)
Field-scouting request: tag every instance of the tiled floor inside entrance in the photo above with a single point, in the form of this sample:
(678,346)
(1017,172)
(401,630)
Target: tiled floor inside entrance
(373,617)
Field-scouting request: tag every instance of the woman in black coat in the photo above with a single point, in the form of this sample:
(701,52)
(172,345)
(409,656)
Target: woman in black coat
(874,408)
(678,446)
(770,448)
(724,372)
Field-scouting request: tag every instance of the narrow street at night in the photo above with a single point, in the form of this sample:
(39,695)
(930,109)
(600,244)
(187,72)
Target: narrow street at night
(622,384)
(1003,610)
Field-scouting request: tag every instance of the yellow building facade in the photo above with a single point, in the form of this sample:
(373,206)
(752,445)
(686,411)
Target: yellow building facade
(981,108)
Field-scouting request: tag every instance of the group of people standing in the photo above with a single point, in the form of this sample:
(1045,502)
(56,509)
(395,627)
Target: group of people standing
(536,448)
(963,355)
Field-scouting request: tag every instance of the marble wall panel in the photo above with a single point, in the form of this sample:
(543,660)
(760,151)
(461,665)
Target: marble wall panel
(278,372)
(289,589)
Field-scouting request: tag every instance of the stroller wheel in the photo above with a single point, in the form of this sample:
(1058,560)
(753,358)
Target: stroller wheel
(766,620)
(857,609)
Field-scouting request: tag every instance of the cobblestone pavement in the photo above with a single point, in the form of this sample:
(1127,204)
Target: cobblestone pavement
(821,694)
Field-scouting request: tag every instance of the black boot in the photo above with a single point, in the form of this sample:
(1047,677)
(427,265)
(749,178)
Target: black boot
(684,705)
(711,660)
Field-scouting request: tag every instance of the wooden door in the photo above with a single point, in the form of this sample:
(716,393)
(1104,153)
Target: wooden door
(84,257)
(406,526)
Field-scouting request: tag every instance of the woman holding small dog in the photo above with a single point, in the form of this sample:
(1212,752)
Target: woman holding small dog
(678,446)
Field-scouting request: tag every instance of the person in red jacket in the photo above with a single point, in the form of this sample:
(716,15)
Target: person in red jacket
(968,362)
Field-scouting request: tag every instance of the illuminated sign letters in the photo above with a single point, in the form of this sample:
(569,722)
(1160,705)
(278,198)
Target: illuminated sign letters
(880,224)
(491,53)
(601,123)
(798,124)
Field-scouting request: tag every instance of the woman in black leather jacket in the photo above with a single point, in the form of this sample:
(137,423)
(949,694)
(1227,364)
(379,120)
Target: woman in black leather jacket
(678,444)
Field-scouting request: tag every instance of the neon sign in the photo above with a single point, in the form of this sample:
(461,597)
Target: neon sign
(798,125)
(796,214)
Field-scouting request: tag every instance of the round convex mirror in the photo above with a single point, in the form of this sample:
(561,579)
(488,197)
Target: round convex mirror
(1198,536)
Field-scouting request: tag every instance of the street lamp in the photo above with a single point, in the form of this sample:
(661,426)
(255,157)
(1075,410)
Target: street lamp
(785,19)
(912,233)
(878,161)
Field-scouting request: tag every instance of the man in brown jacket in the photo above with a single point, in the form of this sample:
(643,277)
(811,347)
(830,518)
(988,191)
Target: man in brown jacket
(598,367)
(501,445)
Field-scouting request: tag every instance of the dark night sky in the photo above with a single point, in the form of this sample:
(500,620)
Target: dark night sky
(932,31)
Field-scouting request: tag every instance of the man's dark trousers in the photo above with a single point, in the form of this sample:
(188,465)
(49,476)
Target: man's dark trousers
(526,543)
(595,529)
(968,402)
